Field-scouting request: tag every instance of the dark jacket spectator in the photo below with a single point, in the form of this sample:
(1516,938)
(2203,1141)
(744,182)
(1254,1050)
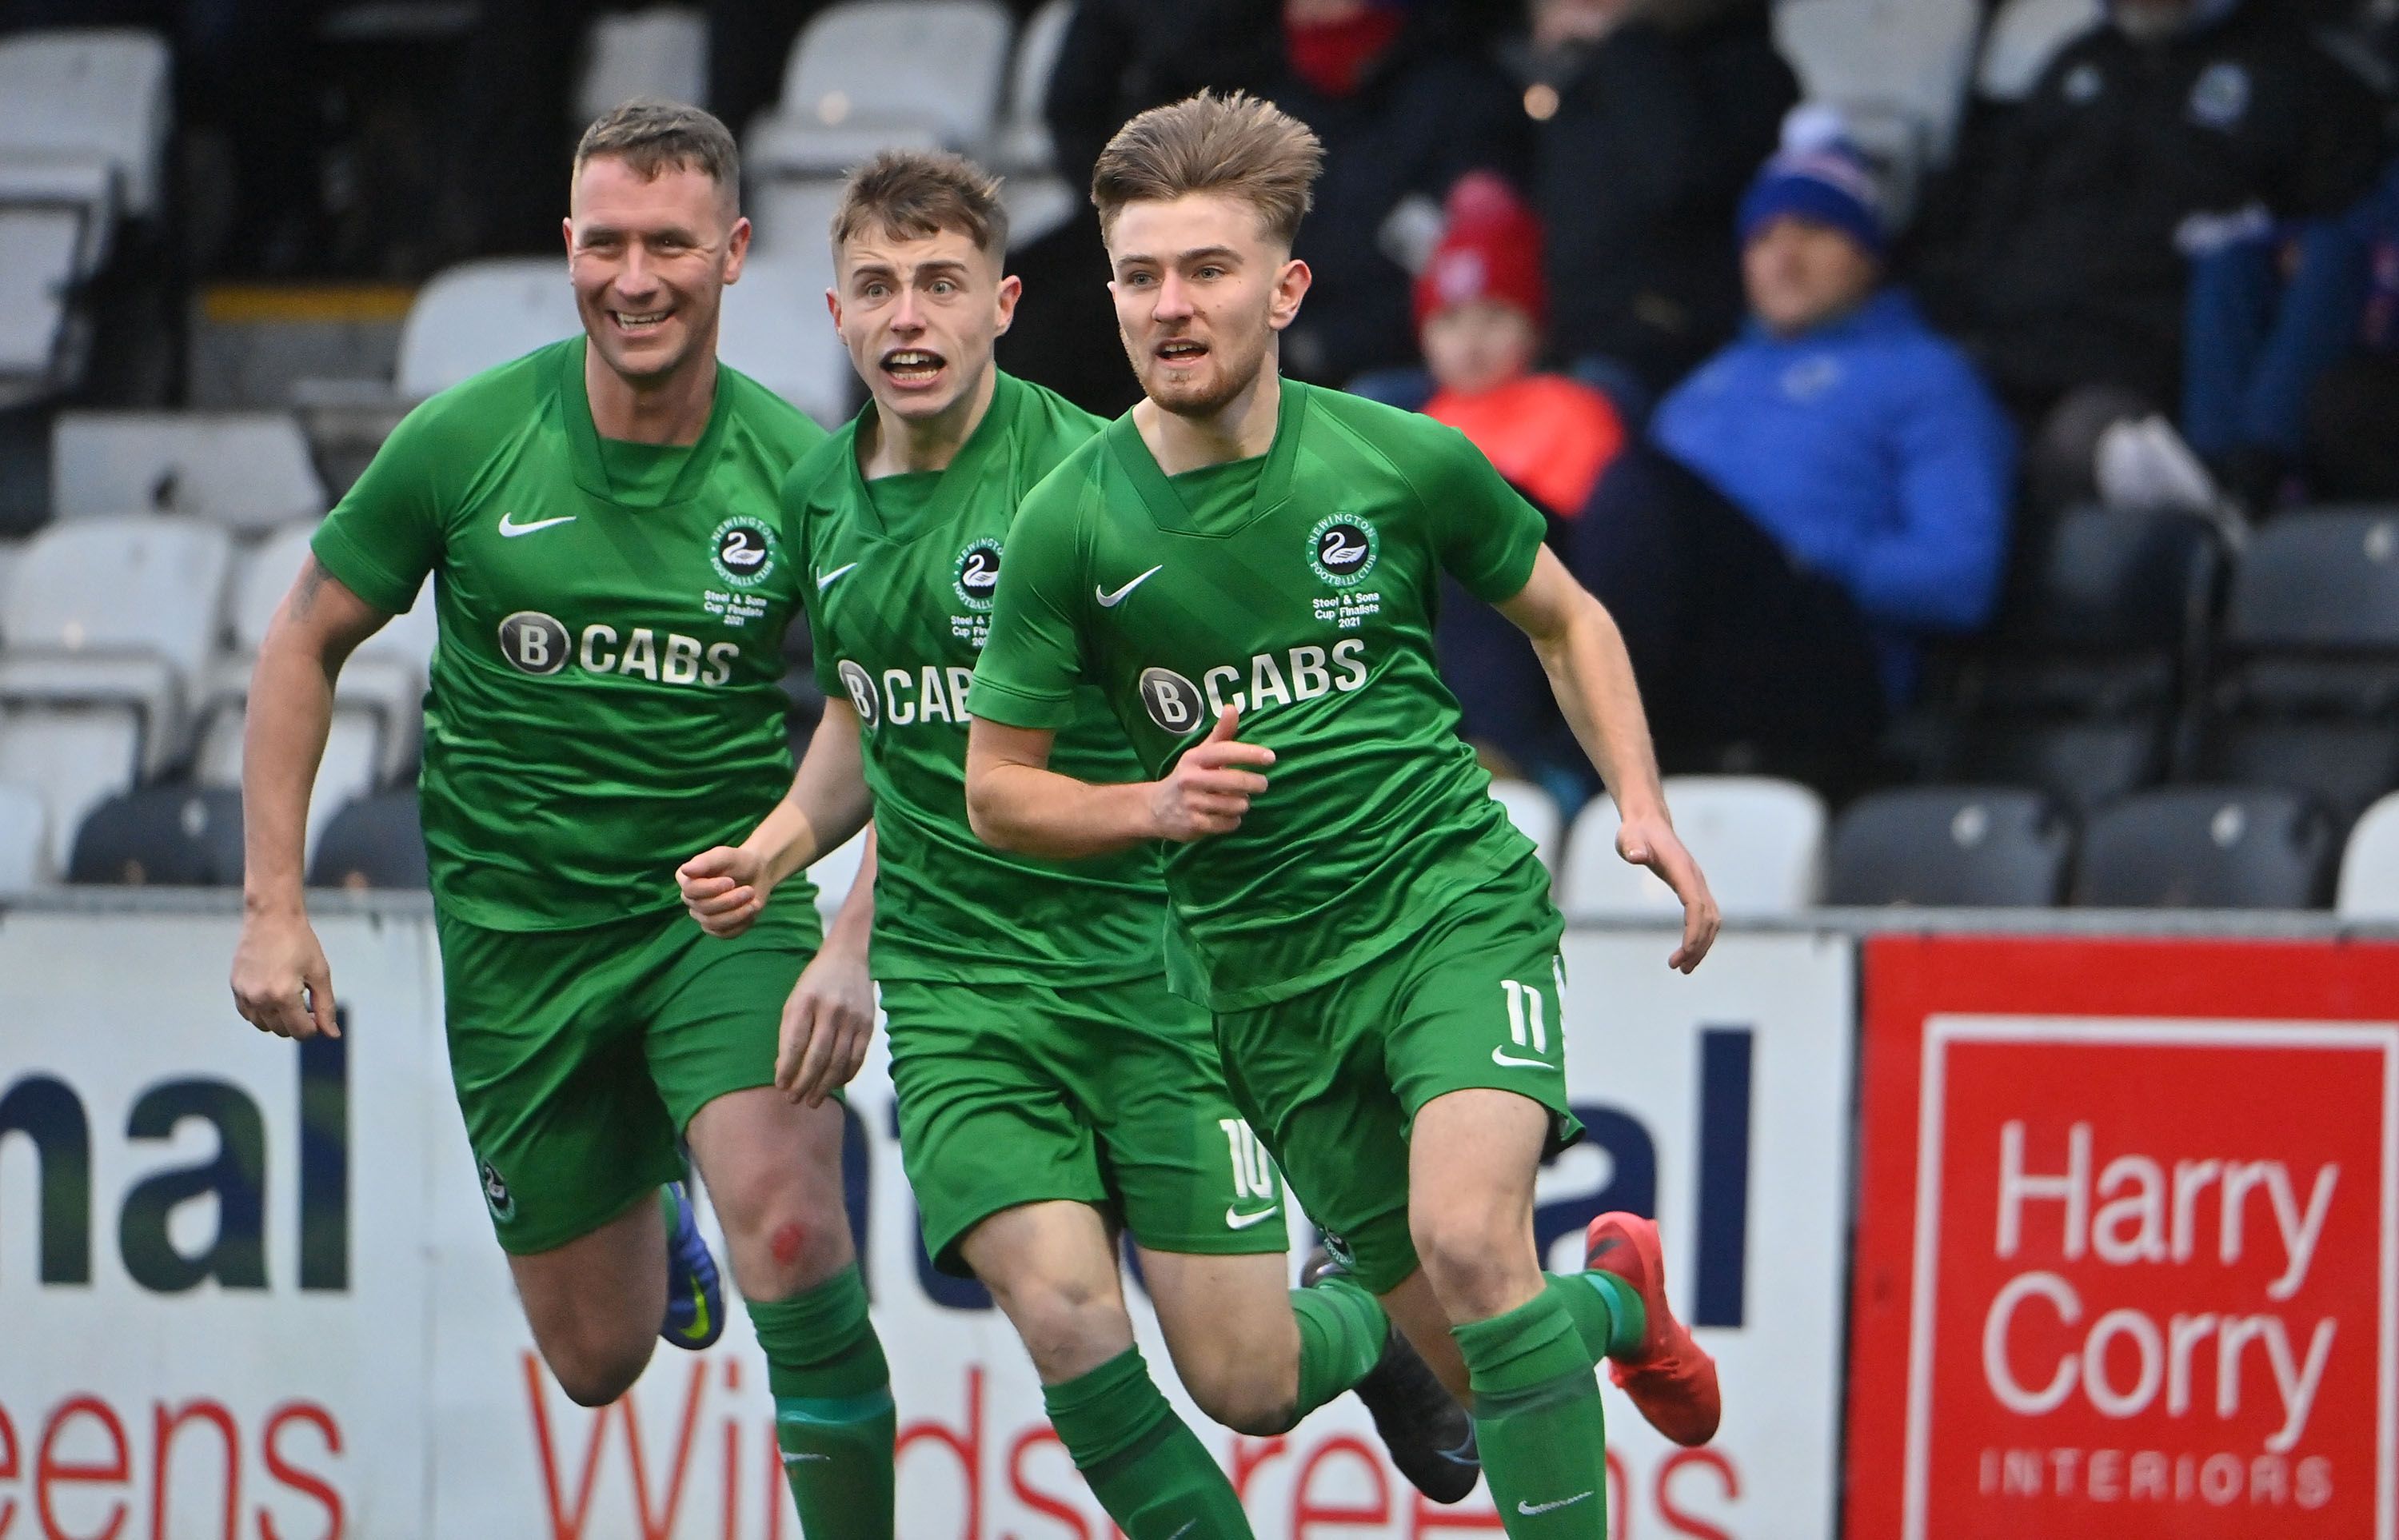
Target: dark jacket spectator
(2168,129)
(1120,57)
(1649,116)
(1404,110)
(1825,492)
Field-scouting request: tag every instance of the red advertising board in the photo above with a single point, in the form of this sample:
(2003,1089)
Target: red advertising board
(2128,1241)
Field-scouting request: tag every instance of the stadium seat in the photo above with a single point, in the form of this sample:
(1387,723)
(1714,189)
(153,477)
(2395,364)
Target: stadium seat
(1534,814)
(660,51)
(73,758)
(179,836)
(1900,59)
(374,841)
(1760,842)
(1951,846)
(833,873)
(479,314)
(872,73)
(2307,694)
(116,610)
(2023,38)
(2082,765)
(38,274)
(2369,870)
(244,469)
(2207,847)
(24,839)
(1038,199)
(92,94)
(794,217)
(777,331)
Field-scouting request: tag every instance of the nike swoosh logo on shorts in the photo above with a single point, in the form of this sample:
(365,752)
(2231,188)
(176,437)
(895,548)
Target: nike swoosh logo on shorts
(509,529)
(1531,1510)
(795,1458)
(1110,600)
(1507,1061)
(1188,1526)
(826,581)
(1236,1220)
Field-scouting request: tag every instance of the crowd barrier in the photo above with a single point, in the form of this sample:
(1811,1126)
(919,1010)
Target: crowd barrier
(2065,1234)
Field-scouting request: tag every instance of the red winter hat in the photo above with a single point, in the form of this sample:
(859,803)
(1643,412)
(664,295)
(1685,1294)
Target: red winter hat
(1490,251)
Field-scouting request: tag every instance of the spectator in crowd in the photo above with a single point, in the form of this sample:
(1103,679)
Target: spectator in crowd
(1479,308)
(2291,325)
(1648,118)
(2166,131)
(1823,495)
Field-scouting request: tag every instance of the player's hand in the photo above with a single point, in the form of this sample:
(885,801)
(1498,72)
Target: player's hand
(281,982)
(827,1023)
(1651,842)
(723,888)
(1208,792)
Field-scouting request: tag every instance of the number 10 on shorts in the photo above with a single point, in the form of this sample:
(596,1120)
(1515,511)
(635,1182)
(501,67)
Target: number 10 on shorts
(1252,1169)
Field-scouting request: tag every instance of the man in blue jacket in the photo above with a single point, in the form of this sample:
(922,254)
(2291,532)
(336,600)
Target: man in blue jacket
(1819,496)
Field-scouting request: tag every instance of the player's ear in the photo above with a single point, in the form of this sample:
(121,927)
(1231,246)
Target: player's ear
(1012,288)
(736,249)
(1289,288)
(566,229)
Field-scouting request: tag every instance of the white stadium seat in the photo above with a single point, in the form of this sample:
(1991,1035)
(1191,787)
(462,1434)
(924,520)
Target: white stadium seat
(353,752)
(1759,842)
(661,51)
(24,839)
(1038,199)
(244,469)
(794,217)
(73,758)
(120,611)
(479,314)
(872,73)
(91,94)
(2369,870)
(1877,58)
(2024,36)
(777,330)
(38,273)
(834,871)
(1534,814)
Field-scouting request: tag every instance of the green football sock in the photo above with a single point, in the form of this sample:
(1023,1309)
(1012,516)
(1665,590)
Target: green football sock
(1537,1416)
(834,1415)
(1608,1314)
(1342,1330)
(1148,1470)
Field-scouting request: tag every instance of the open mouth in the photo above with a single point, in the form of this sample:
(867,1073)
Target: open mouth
(1182,351)
(638,323)
(913,366)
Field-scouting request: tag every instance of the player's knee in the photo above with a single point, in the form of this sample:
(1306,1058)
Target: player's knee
(596,1374)
(1069,1325)
(1244,1397)
(1476,1261)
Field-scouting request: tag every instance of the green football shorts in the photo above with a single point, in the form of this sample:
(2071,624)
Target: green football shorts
(1333,1078)
(580,1055)
(1106,1094)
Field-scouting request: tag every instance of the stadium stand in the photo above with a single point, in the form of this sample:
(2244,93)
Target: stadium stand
(775,329)
(71,758)
(1895,69)
(374,841)
(2207,847)
(1760,841)
(1038,199)
(24,856)
(938,69)
(2021,38)
(481,313)
(1534,814)
(1985,848)
(2306,696)
(247,470)
(661,50)
(178,835)
(2369,870)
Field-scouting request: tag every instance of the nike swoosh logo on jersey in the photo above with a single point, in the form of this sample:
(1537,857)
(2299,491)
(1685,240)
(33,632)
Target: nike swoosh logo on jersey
(796,1458)
(1532,1510)
(1507,1061)
(826,581)
(1236,1220)
(511,529)
(1110,600)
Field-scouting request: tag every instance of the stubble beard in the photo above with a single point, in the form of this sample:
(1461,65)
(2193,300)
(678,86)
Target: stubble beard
(1232,378)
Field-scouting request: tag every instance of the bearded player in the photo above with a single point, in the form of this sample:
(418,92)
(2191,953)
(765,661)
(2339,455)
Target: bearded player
(612,595)
(1052,1089)
(1375,942)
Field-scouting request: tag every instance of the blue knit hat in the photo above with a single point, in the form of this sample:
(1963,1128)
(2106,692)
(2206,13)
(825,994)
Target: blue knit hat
(1824,183)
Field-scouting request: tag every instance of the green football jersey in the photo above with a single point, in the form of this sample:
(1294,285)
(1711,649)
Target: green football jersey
(603,701)
(1301,589)
(900,574)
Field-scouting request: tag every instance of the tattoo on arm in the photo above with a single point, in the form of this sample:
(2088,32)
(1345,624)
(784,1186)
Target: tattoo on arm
(303,593)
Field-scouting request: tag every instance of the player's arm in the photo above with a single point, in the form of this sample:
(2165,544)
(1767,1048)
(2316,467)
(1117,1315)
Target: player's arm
(282,981)
(725,888)
(1015,802)
(1591,676)
(829,1020)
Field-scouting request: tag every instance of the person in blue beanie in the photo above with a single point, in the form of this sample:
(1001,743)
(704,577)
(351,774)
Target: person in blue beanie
(1821,495)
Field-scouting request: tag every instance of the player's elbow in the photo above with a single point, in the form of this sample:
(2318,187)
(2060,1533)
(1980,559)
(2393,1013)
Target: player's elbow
(986,811)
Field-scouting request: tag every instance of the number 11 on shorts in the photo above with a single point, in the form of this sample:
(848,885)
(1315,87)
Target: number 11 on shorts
(1527,1026)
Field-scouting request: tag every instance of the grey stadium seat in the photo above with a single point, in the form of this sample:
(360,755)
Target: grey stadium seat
(660,51)
(97,94)
(1760,841)
(2370,868)
(1950,846)
(374,842)
(872,73)
(24,839)
(116,611)
(73,758)
(1038,199)
(179,836)
(776,330)
(248,470)
(479,314)
(2207,847)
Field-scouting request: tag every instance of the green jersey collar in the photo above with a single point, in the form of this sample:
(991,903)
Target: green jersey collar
(990,449)
(583,436)
(1165,503)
